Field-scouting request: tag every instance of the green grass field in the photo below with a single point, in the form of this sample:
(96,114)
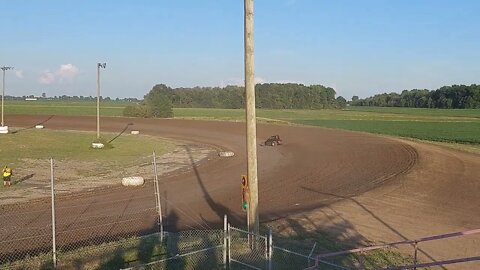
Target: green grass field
(441,125)
(474,113)
(49,107)
(453,126)
(62,145)
(456,132)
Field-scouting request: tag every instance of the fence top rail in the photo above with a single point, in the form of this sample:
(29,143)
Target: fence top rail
(246,265)
(292,252)
(174,257)
(309,257)
(409,242)
(437,263)
(247,232)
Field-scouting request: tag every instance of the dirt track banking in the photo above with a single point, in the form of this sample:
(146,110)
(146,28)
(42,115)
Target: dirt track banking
(331,161)
(315,168)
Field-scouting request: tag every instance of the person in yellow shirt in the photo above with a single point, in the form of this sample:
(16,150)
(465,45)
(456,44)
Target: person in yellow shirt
(7,175)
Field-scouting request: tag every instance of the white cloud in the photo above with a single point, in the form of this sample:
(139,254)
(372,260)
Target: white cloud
(47,77)
(19,74)
(259,80)
(67,71)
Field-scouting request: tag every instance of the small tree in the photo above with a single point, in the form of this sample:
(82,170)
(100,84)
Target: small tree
(159,102)
(137,111)
(341,102)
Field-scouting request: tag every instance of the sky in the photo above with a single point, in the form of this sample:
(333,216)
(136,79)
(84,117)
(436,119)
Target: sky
(358,47)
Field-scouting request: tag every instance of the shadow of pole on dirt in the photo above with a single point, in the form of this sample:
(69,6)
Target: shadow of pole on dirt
(173,244)
(23,178)
(395,231)
(121,132)
(30,127)
(219,209)
(338,236)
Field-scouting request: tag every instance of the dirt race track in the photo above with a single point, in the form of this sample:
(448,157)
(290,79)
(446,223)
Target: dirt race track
(358,186)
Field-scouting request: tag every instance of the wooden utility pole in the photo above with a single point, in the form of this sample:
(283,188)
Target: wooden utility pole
(253,220)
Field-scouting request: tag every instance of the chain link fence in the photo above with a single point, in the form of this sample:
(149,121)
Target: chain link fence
(23,244)
(84,219)
(247,249)
(25,236)
(190,250)
(80,214)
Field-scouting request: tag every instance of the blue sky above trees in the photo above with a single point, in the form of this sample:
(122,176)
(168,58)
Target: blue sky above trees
(357,47)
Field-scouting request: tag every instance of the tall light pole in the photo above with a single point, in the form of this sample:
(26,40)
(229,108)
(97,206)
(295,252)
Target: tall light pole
(4,68)
(253,220)
(99,65)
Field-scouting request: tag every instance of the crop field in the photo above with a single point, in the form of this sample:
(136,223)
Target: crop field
(441,125)
(454,126)
(456,132)
(474,113)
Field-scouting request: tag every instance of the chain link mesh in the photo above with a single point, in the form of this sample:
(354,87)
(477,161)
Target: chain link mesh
(110,226)
(101,224)
(190,250)
(285,259)
(247,249)
(25,239)
(375,259)
(94,214)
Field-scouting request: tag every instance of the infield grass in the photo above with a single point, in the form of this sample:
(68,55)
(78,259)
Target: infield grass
(68,145)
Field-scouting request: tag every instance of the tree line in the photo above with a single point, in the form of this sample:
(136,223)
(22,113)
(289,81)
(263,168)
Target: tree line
(267,96)
(446,97)
(160,100)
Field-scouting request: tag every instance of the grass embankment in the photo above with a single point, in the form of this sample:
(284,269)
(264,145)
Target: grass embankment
(68,145)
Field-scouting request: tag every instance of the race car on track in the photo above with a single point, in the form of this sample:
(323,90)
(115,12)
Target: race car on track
(273,141)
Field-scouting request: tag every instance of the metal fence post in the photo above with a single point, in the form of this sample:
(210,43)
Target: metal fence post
(311,253)
(229,245)
(225,241)
(157,196)
(270,249)
(361,259)
(54,250)
(415,245)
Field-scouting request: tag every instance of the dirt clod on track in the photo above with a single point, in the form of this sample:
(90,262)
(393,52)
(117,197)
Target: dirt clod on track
(383,189)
